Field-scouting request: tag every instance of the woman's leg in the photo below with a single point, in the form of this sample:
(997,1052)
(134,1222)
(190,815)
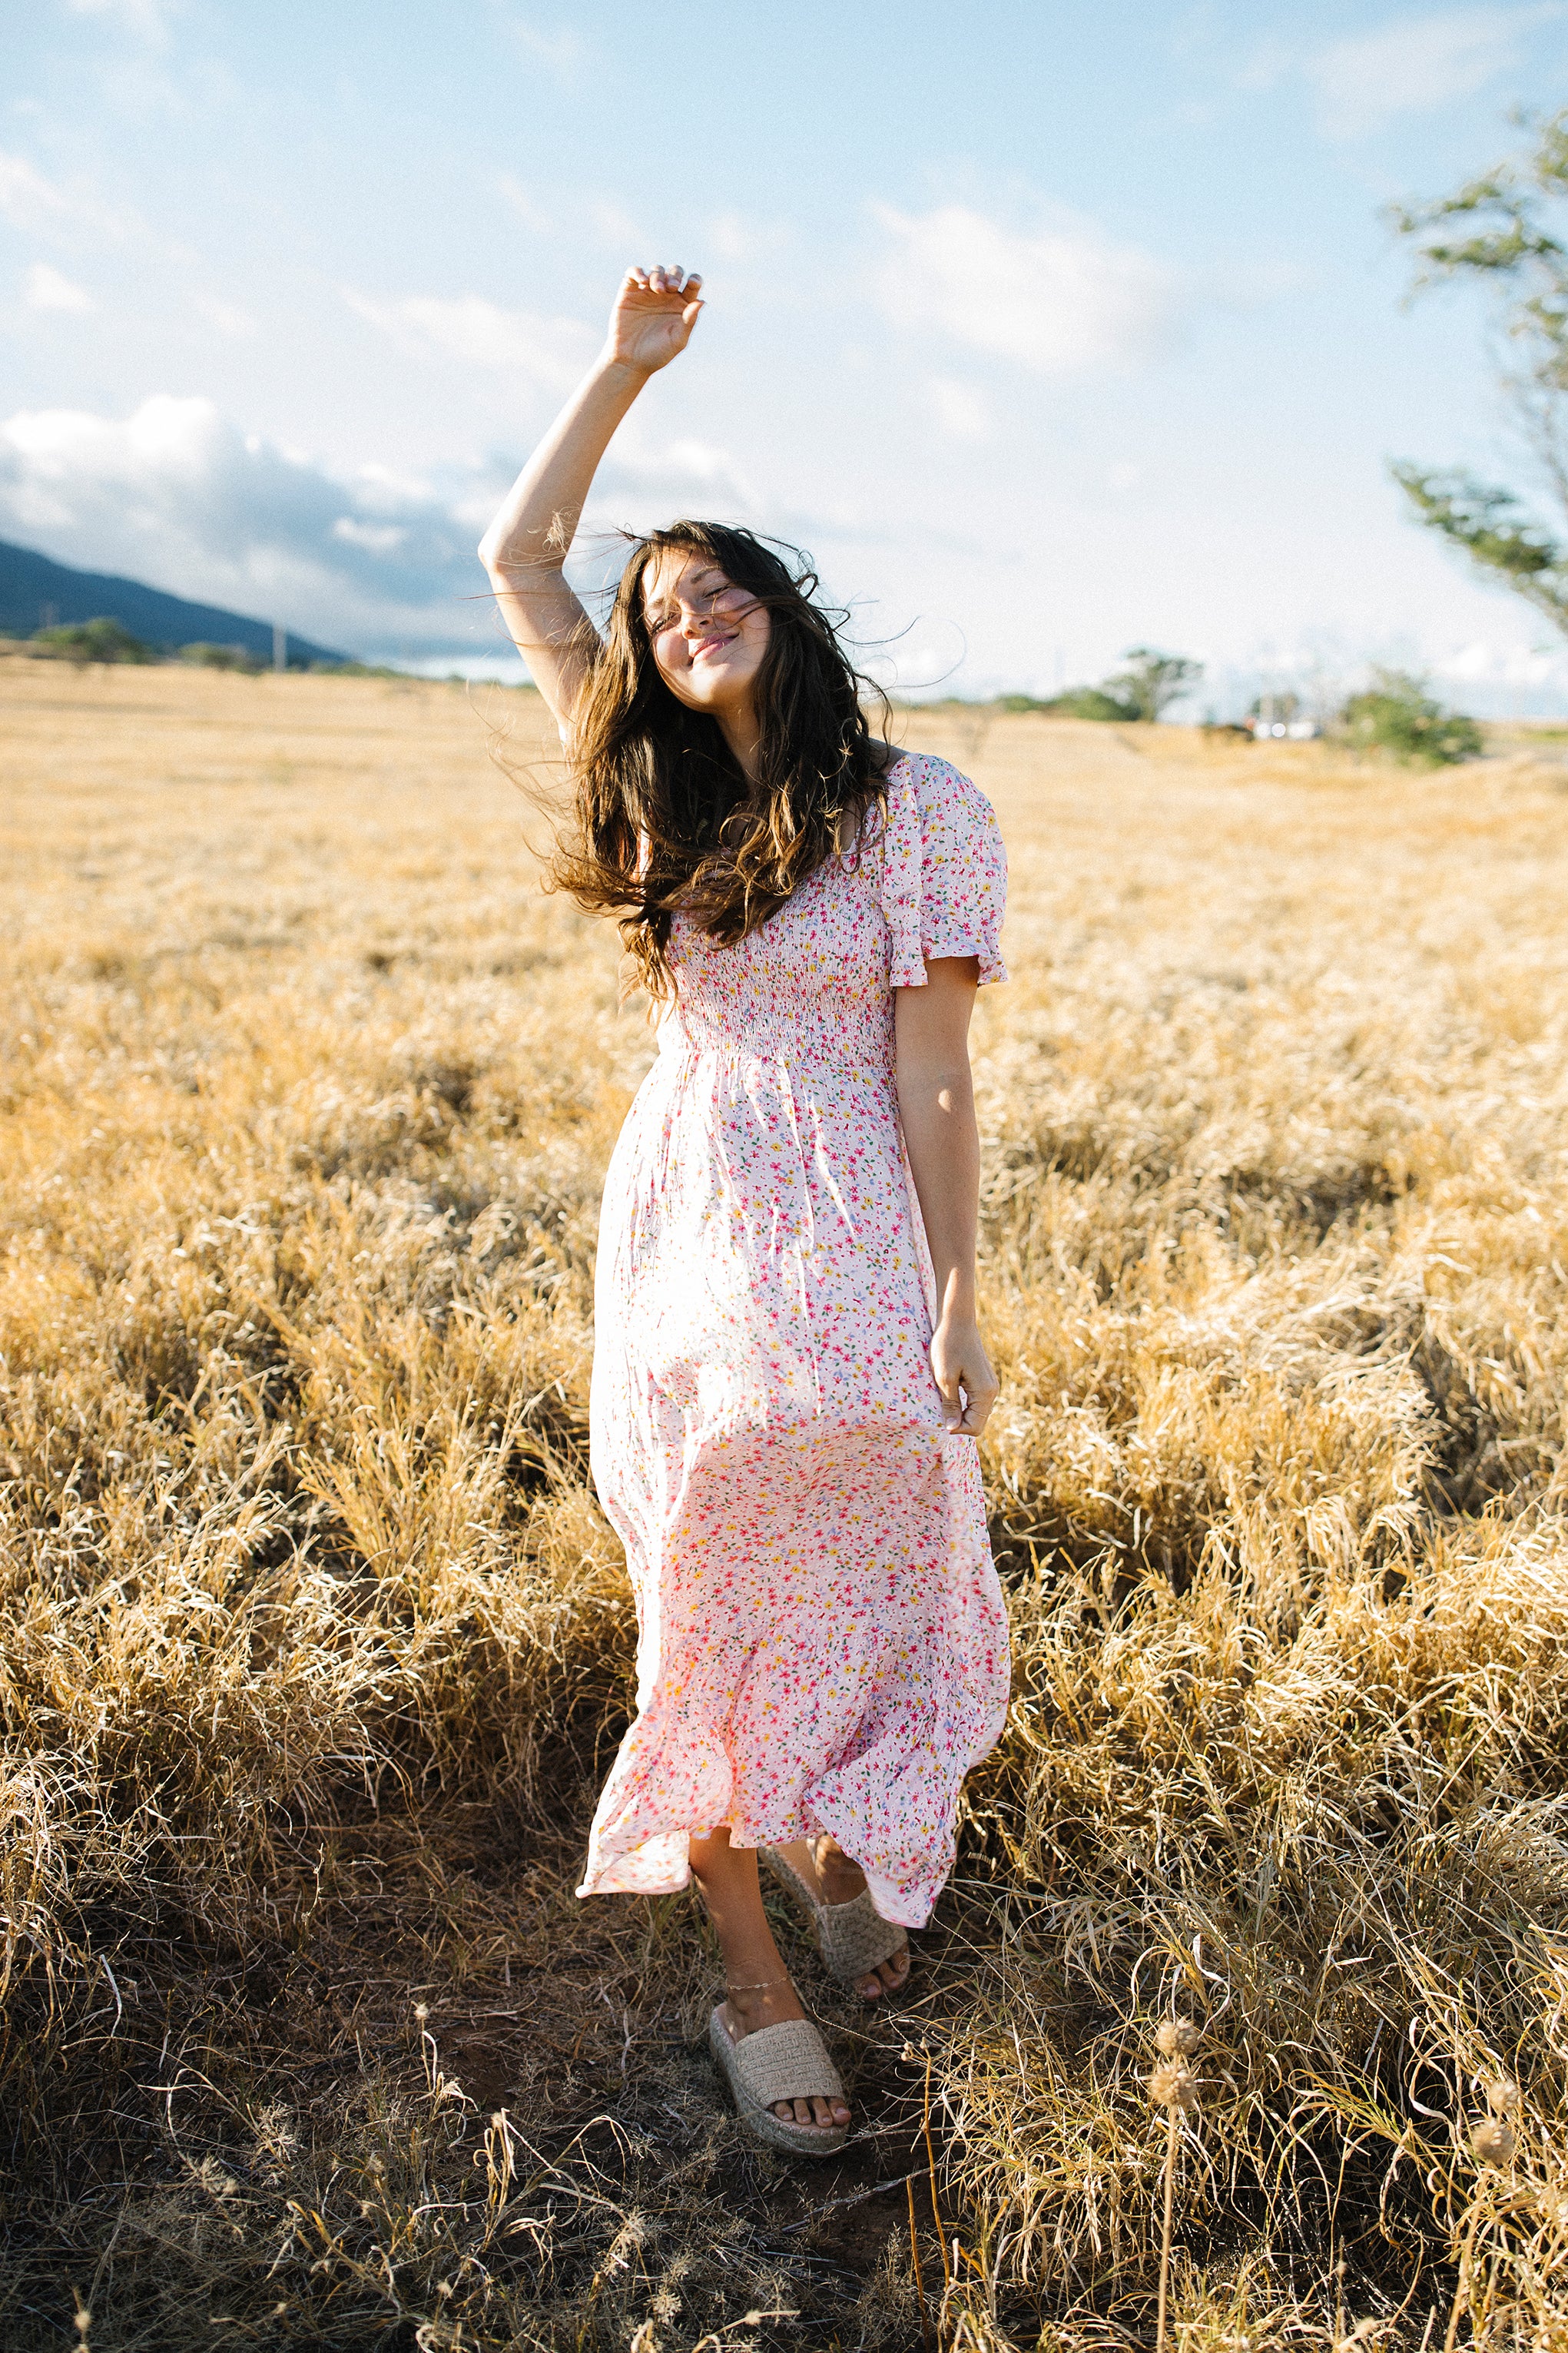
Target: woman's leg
(760,1992)
(834,1879)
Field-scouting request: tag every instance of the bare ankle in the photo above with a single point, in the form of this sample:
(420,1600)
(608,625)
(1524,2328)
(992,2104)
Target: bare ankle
(841,1879)
(767,2004)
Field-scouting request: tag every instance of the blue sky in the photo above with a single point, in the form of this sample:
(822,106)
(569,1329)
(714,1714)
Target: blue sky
(1048,330)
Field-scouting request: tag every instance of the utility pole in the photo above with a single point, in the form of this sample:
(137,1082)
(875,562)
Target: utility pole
(279,646)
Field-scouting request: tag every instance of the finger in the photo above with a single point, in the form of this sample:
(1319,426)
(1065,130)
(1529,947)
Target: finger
(636,275)
(657,279)
(976,1414)
(688,316)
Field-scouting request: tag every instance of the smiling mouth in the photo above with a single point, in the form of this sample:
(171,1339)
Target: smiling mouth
(705,647)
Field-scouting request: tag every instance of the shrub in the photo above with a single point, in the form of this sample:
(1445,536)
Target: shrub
(103,640)
(1094,703)
(209,657)
(1397,715)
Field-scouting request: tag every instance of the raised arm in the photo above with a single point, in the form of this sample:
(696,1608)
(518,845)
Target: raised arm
(524,549)
(936,1108)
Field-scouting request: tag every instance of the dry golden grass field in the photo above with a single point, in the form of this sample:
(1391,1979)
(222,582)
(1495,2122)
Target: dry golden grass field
(313,1643)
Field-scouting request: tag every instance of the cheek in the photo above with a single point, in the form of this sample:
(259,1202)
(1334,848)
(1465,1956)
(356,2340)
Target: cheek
(678,674)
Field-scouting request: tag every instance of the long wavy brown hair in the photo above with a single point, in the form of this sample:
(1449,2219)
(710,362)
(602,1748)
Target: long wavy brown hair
(664,820)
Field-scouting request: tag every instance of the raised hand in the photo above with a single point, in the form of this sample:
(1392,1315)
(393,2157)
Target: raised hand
(654,314)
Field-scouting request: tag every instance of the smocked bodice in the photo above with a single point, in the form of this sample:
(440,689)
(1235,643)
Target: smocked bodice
(814,983)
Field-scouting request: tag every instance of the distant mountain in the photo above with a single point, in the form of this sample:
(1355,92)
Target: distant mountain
(37,593)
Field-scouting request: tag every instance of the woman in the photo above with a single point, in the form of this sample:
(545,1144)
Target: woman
(788,1376)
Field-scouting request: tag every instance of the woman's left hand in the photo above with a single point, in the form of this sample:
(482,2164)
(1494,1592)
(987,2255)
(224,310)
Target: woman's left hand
(961,1370)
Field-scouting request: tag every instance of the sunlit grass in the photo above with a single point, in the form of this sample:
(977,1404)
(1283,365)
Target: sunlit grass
(314,1643)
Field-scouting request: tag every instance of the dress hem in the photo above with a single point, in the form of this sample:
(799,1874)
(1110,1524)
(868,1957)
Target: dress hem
(898,1903)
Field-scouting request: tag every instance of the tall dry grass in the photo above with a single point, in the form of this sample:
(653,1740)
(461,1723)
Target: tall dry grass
(314,1643)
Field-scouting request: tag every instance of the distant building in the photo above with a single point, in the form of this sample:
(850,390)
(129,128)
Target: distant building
(1281,715)
(1300,731)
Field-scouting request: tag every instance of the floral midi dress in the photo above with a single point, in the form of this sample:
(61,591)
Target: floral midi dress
(822,1640)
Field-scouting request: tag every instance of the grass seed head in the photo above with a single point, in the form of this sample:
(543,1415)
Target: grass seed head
(1175,2087)
(1493,2142)
(1178,2038)
(1502,2096)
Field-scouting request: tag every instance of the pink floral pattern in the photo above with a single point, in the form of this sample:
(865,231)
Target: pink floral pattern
(822,1642)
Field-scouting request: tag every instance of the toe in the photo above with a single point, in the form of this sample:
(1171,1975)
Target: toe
(869,1988)
(893,1972)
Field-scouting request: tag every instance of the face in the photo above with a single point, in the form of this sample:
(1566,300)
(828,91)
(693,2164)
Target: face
(708,637)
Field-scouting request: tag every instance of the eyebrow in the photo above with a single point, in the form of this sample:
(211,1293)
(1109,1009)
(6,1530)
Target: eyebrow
(709,571)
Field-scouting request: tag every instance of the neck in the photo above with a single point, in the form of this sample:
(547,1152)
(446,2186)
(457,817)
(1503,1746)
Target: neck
(742,734)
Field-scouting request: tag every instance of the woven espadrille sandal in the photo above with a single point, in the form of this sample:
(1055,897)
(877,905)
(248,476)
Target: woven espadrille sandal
(787,2061)
(853,1938)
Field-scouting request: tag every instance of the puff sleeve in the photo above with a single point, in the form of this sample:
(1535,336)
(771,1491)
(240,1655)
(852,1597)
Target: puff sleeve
(943,883)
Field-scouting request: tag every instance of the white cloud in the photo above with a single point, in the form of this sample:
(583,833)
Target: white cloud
(148,20)
(31,201)
(177,495)
(1412,65)
(1484,664)
(959,409)
(737,237)
(229,318)
(1062,300)
(547,352)
(45,289)
(559,48)
(378,538)
(681,477)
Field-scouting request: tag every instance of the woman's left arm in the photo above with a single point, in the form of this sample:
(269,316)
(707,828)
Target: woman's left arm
(936,1105)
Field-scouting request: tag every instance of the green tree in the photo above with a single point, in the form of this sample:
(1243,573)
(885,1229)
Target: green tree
(1505,231)
(1152,682)
(1397,714)
(205,656)
(102,641)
